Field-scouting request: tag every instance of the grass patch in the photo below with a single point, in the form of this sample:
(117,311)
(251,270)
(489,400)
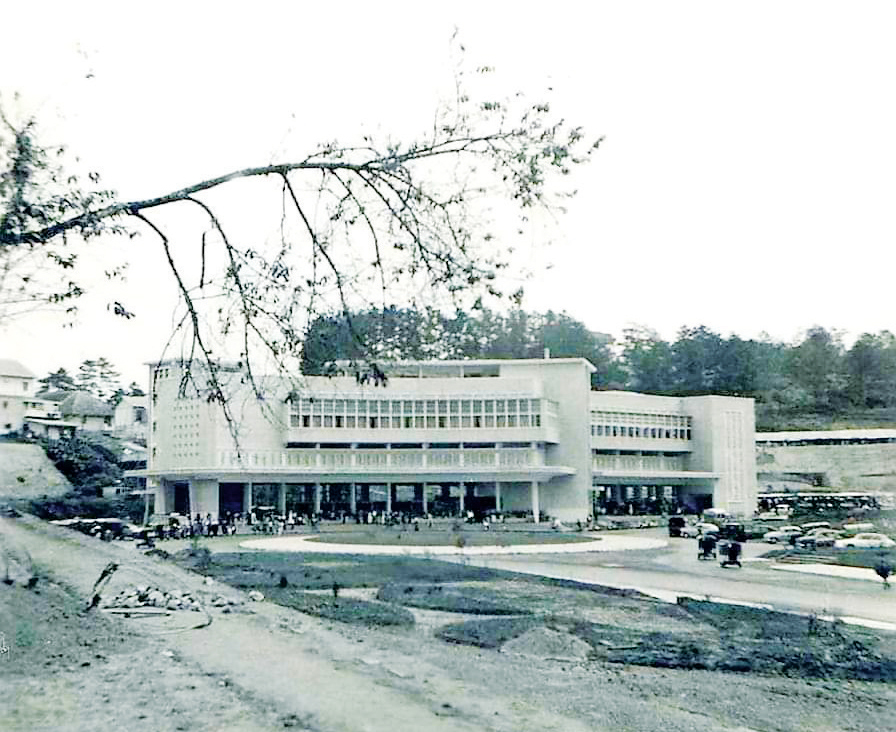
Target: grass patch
(393,536)
(342,609)
(864,558)
(488,633)
(450,598)
(263,570)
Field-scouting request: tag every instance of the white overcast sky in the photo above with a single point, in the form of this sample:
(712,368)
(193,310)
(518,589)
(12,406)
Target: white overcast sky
(746,181)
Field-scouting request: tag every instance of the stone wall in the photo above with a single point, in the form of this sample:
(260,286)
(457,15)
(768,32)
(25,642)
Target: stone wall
(870,466)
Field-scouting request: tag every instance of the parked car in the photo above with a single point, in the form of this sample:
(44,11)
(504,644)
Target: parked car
(694,530)
(784,534)
(818,538)
(715,514)
(857,528)
(733,531)
(865,541)
(118,528)
(816,525)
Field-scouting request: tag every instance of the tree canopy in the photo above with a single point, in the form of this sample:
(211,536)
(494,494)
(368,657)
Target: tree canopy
(404,333)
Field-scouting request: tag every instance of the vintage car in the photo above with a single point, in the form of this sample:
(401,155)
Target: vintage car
(865,541)
(784,534)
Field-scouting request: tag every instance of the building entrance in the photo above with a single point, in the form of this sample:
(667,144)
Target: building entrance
(230,499)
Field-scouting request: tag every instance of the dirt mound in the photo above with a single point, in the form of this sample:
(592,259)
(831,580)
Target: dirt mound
(26,472)
(546,643)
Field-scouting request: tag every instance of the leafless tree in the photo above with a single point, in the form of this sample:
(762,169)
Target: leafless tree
(359,224)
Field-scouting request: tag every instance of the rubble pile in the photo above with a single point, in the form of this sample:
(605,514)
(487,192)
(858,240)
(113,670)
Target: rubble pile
(153,597)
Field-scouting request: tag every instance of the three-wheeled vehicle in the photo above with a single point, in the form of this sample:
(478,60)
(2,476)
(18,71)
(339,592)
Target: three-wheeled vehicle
(730,551)
(706,545)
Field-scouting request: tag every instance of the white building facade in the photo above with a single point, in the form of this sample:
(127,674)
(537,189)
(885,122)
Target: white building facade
(18,387)
(525,436)
(671,452)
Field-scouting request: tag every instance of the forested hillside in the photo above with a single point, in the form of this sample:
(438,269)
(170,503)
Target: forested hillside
(814,382)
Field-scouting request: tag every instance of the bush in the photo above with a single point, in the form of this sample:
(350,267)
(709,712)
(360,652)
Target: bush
(87,464)
(77,505)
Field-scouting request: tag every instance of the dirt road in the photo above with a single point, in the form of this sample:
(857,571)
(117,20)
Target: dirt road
(266,667)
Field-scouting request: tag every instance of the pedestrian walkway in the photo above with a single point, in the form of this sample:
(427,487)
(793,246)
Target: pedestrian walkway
(831,570)
(310,544)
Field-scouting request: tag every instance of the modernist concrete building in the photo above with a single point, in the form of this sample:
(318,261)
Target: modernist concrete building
(445,437)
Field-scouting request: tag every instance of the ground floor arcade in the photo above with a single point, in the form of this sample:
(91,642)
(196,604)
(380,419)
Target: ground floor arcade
(655,498)
(334,500)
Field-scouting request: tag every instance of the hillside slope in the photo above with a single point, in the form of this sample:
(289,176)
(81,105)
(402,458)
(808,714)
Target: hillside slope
(26,472)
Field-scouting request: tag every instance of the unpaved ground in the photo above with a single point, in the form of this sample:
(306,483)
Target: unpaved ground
(27,472)
(273,668)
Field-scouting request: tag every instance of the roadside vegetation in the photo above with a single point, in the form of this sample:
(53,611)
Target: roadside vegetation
(90,463)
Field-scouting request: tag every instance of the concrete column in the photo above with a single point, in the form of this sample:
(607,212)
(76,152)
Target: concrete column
(463,493)
(317,490)
(425,501)
(247,497)
(204,498)
(161,497)
(497,495)
(353,498)
(388,498)
(533,491)
(281,498)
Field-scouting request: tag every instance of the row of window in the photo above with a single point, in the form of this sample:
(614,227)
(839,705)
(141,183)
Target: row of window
(643,419)
(338,421)
(415,407)
(662,433)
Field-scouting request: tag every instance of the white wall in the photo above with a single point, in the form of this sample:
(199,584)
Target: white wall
(568,383)
(723,442)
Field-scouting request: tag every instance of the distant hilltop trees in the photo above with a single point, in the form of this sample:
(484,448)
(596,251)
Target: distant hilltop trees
(815,374)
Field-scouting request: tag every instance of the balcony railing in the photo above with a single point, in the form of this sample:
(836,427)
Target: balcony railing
(639,463)
(382,460)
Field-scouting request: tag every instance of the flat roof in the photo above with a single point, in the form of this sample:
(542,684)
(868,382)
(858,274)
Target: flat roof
(473,362)
(826,435)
